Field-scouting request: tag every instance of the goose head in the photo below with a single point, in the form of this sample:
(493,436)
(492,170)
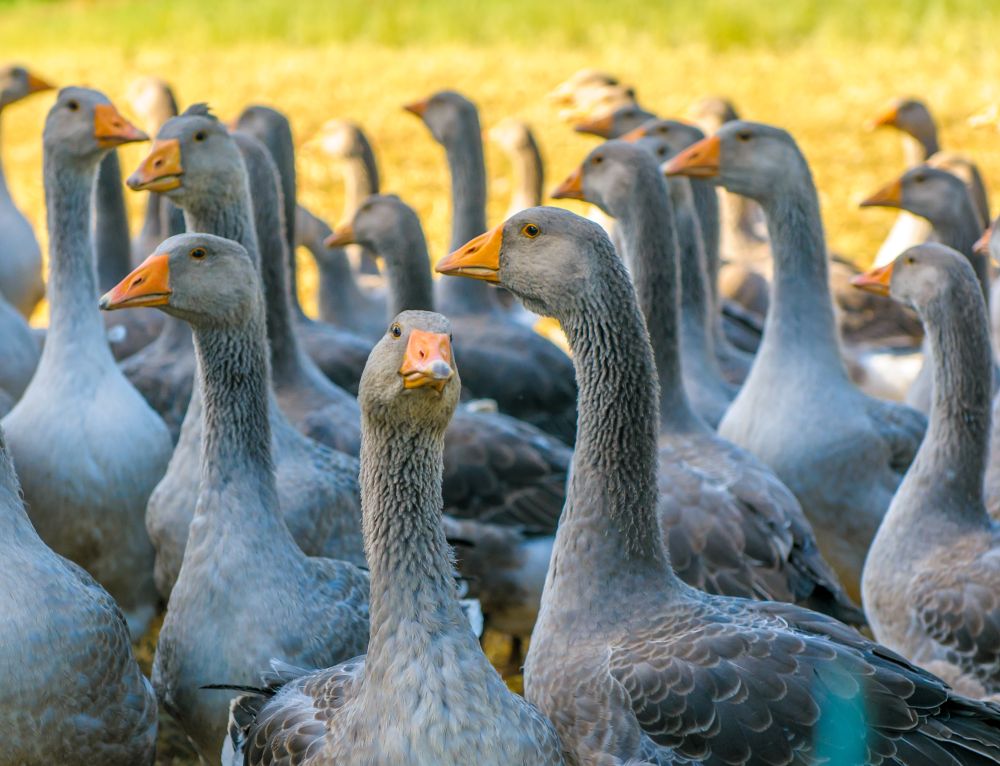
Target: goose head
(615,122)
(17,83)
(411,374)
(548,257)
(909,115)
(205,280)
(664,138)
(607,176)
(748,158)
(193,155)
(83,125)
(925,191)
(341,139)
(381,221)
(446,114)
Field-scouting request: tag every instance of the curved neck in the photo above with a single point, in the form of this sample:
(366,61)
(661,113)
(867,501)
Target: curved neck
(407,270)
(706,206)
(75,324)
(800,321)
(959,228)
(916,149)
(952,458)
(340,298)
(529,176)
(468,211)
(647,227)
(412,588)
(111,237)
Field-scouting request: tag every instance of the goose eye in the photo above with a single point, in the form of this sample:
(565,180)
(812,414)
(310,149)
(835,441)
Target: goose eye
(919,179)
(73,106)
(910,259)
(663,130)
(530,230)
(598,159)
(744,135)
(200,135)
(198,253)
(395,330)
(661,152)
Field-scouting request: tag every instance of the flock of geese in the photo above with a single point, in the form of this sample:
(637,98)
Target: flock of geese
(723,546)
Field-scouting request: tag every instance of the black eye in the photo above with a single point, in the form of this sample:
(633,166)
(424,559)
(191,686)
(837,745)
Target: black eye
(744,135)
(919,179)
(661,152)
(910,259)
(530,230)
(395,330)
(597,159)
(73,106)
(663,130)
(198,253)
(200,136)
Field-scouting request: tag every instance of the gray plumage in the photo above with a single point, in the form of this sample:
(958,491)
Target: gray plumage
(87,448)
(634,666)
(424,693)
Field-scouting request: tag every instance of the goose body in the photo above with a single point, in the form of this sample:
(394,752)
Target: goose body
(424,685)
(841,452)
(627,661)
(87,448)
(932,574)
(213,632)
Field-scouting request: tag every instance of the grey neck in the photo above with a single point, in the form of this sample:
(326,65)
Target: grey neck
(4,191)
(916,149)
(647,226)
(340,298)
(111,237)
(15,526)
(959,228)
(412,587)
(468,200)
(529,176)
(951,462)
(706,205)
(800,321)
(407,269)
(75,323)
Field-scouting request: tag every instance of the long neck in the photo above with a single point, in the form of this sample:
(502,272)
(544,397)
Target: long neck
(407,270)
(4,191)
(360,180)
(75,325)
(236,441)
(529,176)
(800,317)
(647,225)
(952,458)
(468,211)
(706,205)
(959,229)
(916,149)
(111,237)
(340,297)
(413,593)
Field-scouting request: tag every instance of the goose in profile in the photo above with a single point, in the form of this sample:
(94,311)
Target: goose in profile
(87,448)
(841,452)
(424,693)
(632,665)
(221,624)
(932,577)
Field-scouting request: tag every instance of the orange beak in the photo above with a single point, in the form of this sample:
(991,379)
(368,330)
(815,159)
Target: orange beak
(478,258)
(148,285)
(342,235)
(427,361)
(634,135)
(982,246)
(888,196)
(572,187)
(111,129)
(161,171)
(875,281)
(700,160)
(885,118)
(36,84)
(417,107)
(597,126)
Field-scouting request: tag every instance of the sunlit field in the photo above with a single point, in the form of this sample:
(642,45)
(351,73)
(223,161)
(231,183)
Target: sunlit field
(820,74)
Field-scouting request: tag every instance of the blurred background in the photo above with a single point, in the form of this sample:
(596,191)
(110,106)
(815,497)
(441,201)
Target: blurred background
(817,68)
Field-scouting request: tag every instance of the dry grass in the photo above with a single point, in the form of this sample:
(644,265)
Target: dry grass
(821,86)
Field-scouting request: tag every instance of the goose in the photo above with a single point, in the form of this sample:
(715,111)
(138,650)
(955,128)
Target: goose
(841,452)
(632,665)
(988,245)
(454,123)
(192,163)
(154,101)
(616,122)
(112,248)
(317,608)
(624,192)
(942,200)
(424,693)
(346,142)
(518,142)
(70,689)
(338,353)
(589,91)
(933,571)
(504,480)
(732,528)
(87,447)
(341,300)
(20,259)
(913,119)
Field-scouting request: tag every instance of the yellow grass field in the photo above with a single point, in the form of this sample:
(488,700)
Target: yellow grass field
(821,87)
